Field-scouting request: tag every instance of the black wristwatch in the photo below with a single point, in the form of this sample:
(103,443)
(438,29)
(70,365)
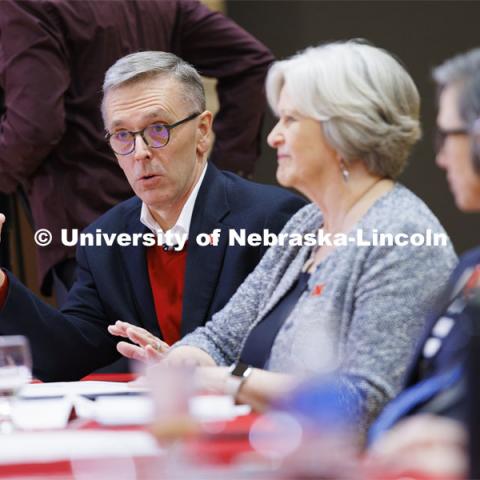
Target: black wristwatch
(239,372)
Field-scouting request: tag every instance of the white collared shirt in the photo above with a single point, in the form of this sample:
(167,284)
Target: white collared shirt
(182,226)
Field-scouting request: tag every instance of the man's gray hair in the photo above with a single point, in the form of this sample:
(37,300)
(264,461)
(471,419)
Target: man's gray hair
(150,64)
(461,71)
(458,68)
(367,103)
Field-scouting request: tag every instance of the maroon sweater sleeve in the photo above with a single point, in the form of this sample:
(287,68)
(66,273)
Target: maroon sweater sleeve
(220,49)
(34,77)
(3,292)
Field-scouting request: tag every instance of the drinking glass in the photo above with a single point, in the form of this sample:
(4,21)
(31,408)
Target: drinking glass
(15,371)
(171,388)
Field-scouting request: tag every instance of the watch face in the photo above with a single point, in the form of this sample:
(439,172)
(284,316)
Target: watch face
(240,369)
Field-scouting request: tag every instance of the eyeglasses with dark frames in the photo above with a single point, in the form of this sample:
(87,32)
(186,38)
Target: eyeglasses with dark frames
(156,135)
(441,136)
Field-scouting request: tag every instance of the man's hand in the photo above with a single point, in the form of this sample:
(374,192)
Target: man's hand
(2,221)
(148,347)
(433,445)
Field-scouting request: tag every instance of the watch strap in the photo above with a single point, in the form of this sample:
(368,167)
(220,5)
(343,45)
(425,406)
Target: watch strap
(239,372)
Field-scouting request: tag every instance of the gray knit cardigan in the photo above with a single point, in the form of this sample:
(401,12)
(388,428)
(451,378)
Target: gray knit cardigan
(363,311)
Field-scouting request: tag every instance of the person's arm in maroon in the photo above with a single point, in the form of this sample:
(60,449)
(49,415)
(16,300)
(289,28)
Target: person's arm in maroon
(3,289)
(34,76)
(3,277)
(220,49)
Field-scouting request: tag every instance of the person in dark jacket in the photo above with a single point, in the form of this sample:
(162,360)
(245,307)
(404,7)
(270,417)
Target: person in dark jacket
(53,56)
(160,131)
(425,427)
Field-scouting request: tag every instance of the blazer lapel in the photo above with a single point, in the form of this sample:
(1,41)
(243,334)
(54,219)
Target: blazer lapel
(136,263)
(204,263)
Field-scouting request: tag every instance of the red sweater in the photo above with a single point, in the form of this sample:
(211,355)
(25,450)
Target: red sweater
(166,271)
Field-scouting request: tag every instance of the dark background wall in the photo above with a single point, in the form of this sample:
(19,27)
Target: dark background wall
(421,33)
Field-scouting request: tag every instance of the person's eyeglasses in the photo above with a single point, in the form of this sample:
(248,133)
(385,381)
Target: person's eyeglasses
(441,136)
(156,135)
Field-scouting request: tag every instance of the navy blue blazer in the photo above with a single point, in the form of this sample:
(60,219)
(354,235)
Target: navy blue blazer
(113,283)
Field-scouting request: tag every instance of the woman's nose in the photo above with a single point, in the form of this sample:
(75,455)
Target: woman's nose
(275,137)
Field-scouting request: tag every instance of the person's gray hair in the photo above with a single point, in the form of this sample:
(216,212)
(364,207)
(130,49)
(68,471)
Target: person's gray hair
(470,112)
(461,71)
(368,104)
(140,66)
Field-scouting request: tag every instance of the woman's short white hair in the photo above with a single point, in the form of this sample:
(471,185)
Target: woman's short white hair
(368,104)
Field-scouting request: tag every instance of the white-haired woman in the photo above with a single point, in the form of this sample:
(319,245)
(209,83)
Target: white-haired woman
(348,117)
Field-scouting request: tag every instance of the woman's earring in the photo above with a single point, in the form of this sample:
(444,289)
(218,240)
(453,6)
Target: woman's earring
(345,172)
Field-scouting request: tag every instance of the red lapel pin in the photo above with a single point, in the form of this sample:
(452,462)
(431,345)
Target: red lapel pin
(474,279)
(317,289)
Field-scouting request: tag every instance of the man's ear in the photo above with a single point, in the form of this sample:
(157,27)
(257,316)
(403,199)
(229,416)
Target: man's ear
(204,132)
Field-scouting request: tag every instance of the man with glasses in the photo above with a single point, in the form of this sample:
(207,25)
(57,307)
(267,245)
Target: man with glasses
(425,427)
(160,131)
(53,56)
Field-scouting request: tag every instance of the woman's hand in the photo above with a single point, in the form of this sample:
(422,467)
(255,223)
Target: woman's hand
(212,379)
(422,443)
(147,348)
(189,356)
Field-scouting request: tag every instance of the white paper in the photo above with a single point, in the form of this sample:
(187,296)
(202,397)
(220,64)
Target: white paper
(126,410)
(215,408)
(61,389)
(139,410)
(68,445)
(41,414)
(114,409)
